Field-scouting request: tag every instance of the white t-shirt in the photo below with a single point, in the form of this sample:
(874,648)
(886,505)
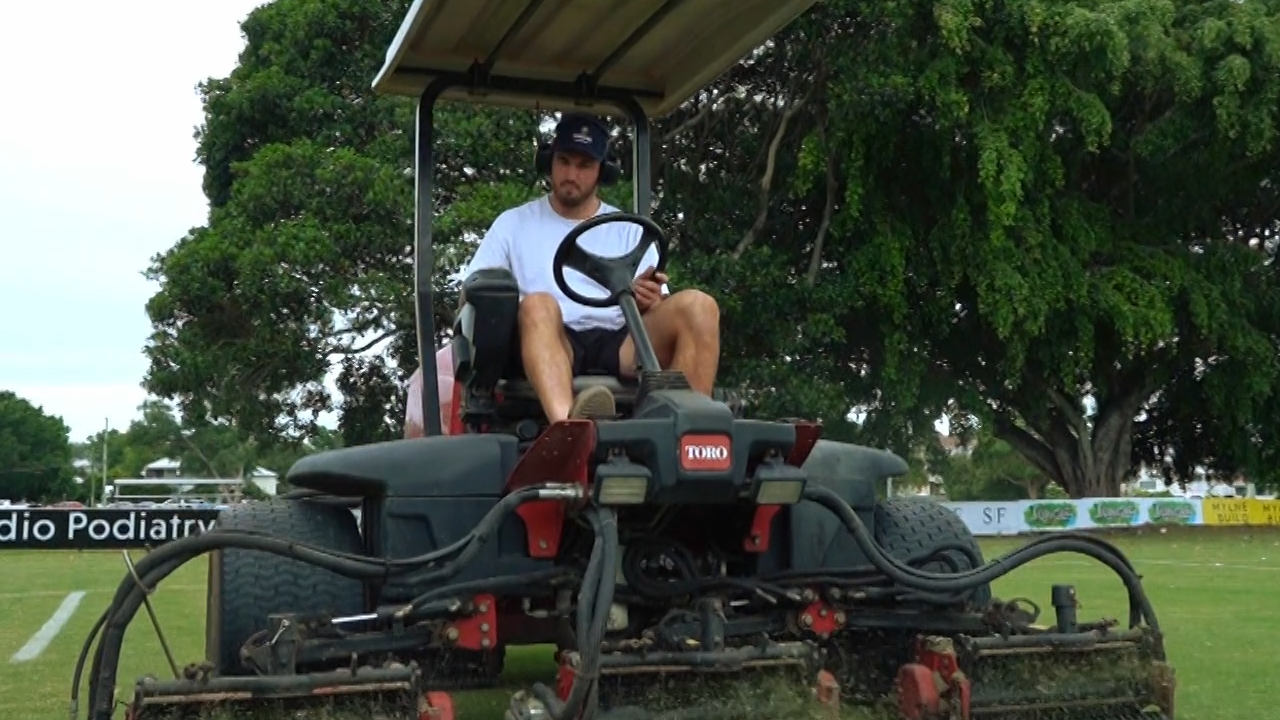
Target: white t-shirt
(524,239)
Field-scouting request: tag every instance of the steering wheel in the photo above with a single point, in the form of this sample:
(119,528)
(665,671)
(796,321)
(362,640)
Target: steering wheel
(615,274)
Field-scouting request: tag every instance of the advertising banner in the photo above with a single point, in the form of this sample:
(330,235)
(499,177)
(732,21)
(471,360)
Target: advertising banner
(1113,512)
(1023,516)
(1171,511)
(99,528)
(1225,511)
(991,518)
(1041,515)
(1264,512)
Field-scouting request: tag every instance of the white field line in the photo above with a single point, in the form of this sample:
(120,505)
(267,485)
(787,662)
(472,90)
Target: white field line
(49,631)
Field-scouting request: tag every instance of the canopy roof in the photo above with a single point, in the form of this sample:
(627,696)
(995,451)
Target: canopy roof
(660,51)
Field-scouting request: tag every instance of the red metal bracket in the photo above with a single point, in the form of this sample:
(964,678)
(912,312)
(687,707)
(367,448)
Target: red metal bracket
(479,631)
(918,697)
(807,435)
(561,454)
(761,529)
(933,687)
(828,694)
(436,706)
(544,526)
(564,680)
(821,619)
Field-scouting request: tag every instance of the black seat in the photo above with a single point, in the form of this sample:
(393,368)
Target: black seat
(486,345)
(439,466)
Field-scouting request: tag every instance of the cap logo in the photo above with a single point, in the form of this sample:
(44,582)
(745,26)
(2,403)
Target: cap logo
(583,136)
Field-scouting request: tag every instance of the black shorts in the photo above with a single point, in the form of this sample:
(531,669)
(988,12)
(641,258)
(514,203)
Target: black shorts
(595,351)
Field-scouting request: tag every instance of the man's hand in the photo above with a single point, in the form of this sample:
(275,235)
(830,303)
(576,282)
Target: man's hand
(648,289)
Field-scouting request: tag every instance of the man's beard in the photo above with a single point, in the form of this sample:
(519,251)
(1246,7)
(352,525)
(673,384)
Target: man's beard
(570,195)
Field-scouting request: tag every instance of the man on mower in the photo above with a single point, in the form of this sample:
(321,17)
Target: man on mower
(561,339)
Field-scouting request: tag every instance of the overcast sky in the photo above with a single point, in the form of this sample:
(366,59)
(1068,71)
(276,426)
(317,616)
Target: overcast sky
(97,174)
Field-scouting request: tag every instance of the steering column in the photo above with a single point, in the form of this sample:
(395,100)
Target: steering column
(615,275)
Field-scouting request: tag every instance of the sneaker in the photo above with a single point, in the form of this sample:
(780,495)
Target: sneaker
(594,402)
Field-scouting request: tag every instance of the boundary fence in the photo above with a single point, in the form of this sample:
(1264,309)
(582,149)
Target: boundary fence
(1033,516)
(119,528)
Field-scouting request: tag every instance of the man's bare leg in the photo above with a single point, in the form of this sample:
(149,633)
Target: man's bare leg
(548,363)
(685,332)
(546,354)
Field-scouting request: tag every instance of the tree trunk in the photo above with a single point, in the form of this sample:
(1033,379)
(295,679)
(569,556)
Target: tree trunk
(1085,459)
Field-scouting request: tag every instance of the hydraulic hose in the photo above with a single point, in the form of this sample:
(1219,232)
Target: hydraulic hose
(594,602)
(487,525)
(930,582)
(688,580)
(162,562)
(497,584)
(869,577)
(80,660)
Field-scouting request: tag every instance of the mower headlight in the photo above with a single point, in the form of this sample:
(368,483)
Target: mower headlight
(777,483)
(622,491)
(621,482)
(780,492)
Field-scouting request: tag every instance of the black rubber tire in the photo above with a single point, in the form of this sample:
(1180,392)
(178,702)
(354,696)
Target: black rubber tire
(911,526)
(245,586)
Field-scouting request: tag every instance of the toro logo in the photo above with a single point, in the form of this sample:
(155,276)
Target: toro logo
(705,452)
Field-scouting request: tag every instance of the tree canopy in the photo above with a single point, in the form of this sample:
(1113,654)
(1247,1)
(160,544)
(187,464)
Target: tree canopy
(35,452)
(1057,219)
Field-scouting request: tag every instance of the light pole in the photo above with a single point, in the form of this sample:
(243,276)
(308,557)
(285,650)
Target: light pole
(106,429)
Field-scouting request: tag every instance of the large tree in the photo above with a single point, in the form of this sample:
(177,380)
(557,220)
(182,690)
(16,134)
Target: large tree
(1054,202)
(1043,213)
(1037,213)
(35,453)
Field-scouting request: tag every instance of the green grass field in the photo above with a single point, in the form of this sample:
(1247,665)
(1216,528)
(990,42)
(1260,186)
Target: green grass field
(1216,592)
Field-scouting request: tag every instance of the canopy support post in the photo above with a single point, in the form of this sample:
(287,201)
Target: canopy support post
(424,257)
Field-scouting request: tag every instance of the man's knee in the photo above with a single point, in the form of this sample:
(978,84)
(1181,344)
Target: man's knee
(541,310)
(696,307)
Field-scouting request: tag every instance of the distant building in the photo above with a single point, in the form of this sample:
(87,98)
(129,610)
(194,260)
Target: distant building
(169,471)
(162,469)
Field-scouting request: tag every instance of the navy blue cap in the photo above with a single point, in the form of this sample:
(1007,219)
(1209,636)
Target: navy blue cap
(585,134)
